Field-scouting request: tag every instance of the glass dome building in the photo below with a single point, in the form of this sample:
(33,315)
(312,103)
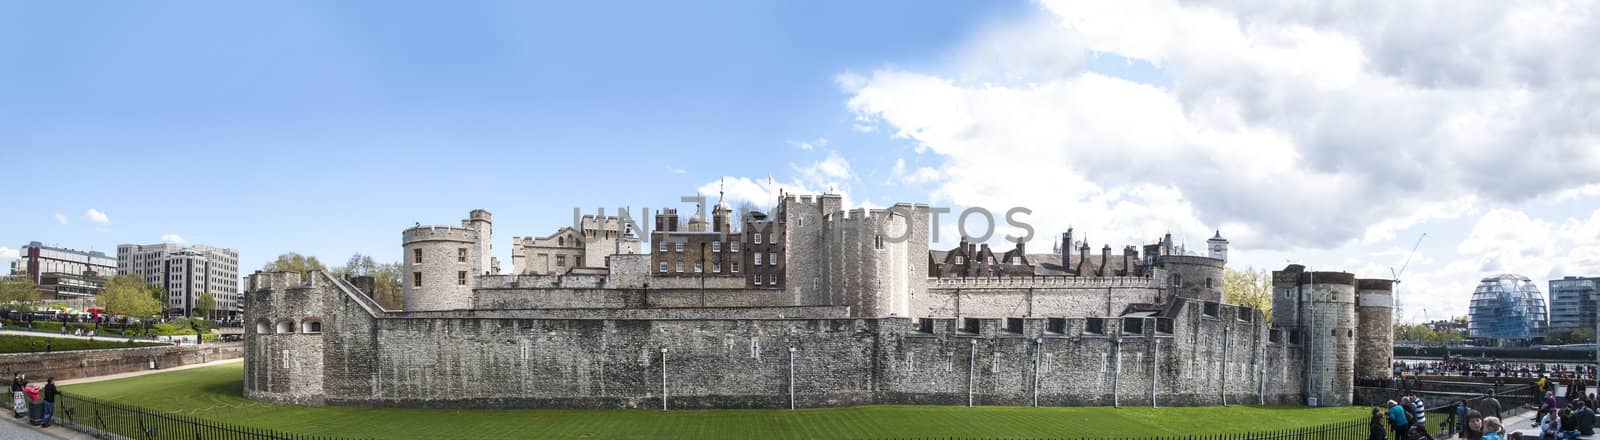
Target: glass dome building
(1507,307)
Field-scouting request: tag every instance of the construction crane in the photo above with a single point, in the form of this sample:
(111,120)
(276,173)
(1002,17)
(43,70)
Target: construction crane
(1403,265)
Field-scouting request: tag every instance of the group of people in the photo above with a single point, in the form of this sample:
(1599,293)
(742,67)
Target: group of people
(1495,369)
(1408,420)
(24,394)
(1558,422)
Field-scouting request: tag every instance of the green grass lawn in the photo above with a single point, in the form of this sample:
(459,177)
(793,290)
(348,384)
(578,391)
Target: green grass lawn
(215,393)
(19,344)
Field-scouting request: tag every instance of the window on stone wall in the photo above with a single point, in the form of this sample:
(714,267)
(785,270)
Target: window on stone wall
(1212,309)
(1055,325)
(756,238)
(1177,280)
(1164,325)
(971,325)
(772,279)
(416,256)
(758,259)
(1245,314)
(679,266)
(734,266)
(461,278)
(679,246)
(961,260)
(772,258)
(1294,337)
(716,246)
(1208,283)
(285,327)
(716,267)
(925,325)
(262,328)
(561,261)
(1014,325)
(461,255)
(699,266)
(663,266)
(733,246)
(1275,336)
(1133,326)
(312,327)
(1094,326)
(877,241)
(663,246)
(416,279)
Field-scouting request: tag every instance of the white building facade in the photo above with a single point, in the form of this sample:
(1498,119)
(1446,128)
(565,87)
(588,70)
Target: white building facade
(187,272)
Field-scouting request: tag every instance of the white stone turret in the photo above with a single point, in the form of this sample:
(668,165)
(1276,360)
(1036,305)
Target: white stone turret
(1218,247)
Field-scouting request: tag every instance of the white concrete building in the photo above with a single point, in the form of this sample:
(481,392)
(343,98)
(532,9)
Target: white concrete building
(186,272)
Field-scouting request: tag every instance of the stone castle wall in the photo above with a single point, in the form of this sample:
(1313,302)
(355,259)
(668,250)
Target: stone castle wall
(1202,354)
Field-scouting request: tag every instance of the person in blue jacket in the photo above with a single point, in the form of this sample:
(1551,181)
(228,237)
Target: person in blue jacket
(1397,420)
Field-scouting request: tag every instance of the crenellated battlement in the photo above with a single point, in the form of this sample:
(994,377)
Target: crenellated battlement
(275,281)
(1042,281)
(438,233)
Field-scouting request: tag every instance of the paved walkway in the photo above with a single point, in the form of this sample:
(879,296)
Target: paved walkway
(19,429)
(101,337)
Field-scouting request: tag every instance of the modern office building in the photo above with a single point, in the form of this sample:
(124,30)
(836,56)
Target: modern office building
(1572,303)
(187,272)
(64,273)
(1507,308)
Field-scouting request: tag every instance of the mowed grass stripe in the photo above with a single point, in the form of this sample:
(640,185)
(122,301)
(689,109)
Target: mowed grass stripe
(215,393)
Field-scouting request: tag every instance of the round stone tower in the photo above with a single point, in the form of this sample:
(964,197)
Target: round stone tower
(1193,277)
(440,263)
(1375,336)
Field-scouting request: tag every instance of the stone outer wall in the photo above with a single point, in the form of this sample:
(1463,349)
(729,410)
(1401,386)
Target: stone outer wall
(87,363)
(1108,299)
(364,356)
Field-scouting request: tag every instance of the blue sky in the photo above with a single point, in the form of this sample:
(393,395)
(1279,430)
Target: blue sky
(327,128)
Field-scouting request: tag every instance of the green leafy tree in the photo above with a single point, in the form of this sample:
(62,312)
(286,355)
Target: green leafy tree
(1248,288)
(294,262)
(16,292)
(205,305)
(386,279)
(128,295)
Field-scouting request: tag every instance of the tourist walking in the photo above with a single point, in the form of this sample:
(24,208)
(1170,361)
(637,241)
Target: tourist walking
(49,395)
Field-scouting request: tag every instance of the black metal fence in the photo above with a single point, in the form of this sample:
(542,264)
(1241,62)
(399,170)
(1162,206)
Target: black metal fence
(115,421)
(1354,429)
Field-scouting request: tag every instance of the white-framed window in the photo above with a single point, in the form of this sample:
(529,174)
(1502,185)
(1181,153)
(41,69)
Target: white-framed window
(461,278)
(733,246)
(961,260)
(461,255)
(757,239)
(716,246)
(756,279)
(991,259)
(772,279)
(561,261)
(758,259)
(663,266)
(416,279)
(716,267)
(772,258)
(679,246)
(699,266)
(1016,260)
(680,266)
(663,246)
(416,255)
(735,267)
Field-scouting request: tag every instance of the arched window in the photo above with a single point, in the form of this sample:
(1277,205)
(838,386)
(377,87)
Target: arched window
(561,241)
(286,327)
(311,326)
(262,328)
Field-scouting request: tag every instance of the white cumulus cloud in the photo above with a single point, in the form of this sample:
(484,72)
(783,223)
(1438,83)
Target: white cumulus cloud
(173,238)
(7,254)
(96,216)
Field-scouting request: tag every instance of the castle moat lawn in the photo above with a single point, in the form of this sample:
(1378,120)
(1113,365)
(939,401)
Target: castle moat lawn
(36,344)
(216,393)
